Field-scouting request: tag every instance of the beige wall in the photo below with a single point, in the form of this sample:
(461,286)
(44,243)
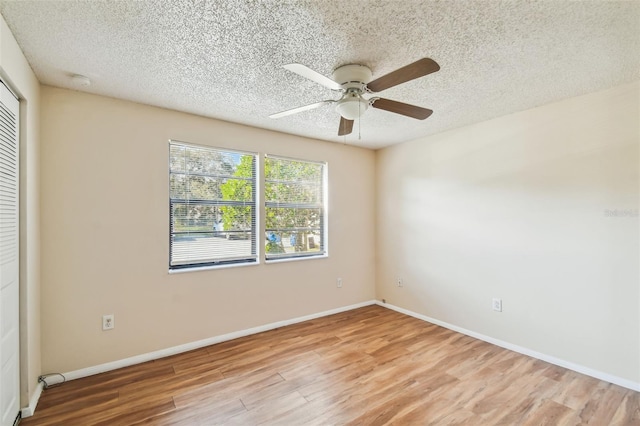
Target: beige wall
(515,208)
(16,72)
(105,234)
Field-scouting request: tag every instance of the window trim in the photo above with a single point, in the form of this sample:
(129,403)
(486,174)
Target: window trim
(254,259)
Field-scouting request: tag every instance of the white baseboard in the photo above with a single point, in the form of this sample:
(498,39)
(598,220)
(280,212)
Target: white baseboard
(89,371)
(522,350)
(33,402)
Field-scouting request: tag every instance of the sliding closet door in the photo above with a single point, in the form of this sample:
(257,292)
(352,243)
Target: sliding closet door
(9,294)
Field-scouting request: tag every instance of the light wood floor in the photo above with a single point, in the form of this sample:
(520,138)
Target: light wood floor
(367,366)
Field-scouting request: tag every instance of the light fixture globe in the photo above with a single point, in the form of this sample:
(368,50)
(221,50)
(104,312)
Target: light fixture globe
(352,106)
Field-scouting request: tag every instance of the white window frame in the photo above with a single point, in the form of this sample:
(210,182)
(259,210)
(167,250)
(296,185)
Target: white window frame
(324,232)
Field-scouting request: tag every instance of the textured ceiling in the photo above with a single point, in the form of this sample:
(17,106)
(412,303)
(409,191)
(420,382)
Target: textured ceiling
(224,58)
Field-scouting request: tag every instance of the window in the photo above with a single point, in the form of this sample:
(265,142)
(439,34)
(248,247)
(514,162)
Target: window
(294,208)
(212,206)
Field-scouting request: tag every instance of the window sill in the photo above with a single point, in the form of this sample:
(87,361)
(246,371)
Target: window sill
(210,267)
(296,259)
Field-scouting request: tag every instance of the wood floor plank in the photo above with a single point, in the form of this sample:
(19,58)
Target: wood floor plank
(225,389)
(367,366)
(105,382)
(252,398)
(209,411)
(430,411)
(628,413)
(77,408)
(266,412)
(550,413)
(134,414)
(604,402)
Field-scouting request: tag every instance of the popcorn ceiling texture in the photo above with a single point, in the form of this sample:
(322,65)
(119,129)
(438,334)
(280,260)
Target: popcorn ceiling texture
(223,59)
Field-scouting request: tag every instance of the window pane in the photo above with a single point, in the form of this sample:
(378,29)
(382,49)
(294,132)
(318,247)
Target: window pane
(293,218)
(177,158)
(285,169)
(294,208)
(190,217)
(194,217)
(213,206)
(293,192)
(280,244)
(208,161)
(203,248)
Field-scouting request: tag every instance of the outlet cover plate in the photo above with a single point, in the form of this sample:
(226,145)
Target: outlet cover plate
(108,322)
(497,304)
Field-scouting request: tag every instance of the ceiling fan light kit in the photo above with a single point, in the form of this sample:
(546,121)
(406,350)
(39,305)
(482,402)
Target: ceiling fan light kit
(354,81)
(352,106)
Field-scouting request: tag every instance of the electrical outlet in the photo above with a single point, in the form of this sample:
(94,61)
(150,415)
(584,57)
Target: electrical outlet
(497,305)
(108,322)
(400,282)
(339,283)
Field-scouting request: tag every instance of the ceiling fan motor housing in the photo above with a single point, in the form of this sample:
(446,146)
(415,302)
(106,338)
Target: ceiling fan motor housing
(352,76)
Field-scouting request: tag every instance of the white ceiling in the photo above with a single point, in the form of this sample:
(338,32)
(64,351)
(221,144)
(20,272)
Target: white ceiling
(224,58)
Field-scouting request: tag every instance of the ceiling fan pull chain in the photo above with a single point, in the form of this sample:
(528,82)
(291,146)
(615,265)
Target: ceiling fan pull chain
(359,137)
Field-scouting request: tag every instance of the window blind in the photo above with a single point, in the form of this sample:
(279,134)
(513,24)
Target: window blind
(212,206)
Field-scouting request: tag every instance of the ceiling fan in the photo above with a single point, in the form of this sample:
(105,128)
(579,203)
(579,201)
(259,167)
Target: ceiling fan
(354,81)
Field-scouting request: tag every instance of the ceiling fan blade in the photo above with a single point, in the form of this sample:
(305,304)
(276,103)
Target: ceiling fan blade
(410,72)
(312,75)
(401,108)
(346,126)
(300,109)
